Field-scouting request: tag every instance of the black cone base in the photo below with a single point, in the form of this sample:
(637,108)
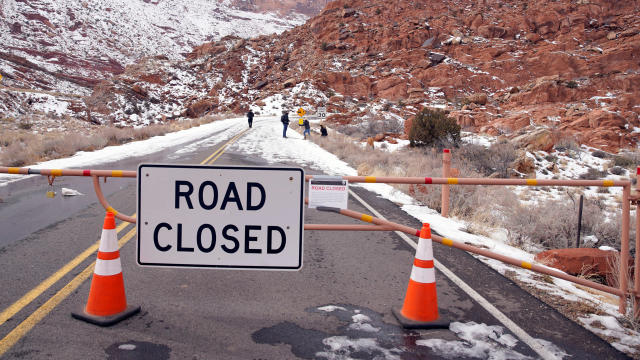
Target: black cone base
(106,320)
(413,324)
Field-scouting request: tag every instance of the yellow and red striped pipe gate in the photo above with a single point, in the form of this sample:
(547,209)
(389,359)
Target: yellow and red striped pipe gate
(383,225)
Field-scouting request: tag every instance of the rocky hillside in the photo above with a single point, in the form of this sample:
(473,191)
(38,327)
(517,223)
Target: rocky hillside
(539,72)
(69,46)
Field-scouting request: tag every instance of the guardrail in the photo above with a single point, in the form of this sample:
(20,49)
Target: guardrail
(382,225)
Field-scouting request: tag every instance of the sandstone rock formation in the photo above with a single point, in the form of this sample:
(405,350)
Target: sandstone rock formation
(583,262)
(499,68)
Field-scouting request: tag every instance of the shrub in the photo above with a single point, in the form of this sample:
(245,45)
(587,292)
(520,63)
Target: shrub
(15,154)
(593,174)
(572,84)
(549,224)
(623,161)
(25,125)
(567,144)
(116,136)
(606,230)
(497,158)
(434,127)
(554,224)
(617,170)
(599,154)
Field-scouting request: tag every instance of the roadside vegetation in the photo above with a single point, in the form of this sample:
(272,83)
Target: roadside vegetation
(23,145)
(546,223)
(434,128)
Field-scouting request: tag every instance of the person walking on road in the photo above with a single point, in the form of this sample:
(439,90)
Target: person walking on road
(250,117)
(285,121)
(307,129)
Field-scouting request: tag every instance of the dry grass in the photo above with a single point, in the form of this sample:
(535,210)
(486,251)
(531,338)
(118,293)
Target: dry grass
(551,223)
(22,147)
(466,202)
(614,268)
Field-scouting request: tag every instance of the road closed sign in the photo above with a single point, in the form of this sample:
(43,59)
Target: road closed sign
(220,217)
(328,191)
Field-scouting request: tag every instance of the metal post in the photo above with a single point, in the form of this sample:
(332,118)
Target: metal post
(579,221)
(446,167)
(624,248)
(636,304)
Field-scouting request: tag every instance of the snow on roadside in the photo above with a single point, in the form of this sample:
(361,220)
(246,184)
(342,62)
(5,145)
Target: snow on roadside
(481,341)
(137,148)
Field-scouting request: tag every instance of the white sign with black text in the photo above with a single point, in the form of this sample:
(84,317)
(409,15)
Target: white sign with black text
(321,112)
(328,191)
(220,217)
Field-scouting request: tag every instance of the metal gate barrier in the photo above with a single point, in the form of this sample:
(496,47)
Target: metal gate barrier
(623,292)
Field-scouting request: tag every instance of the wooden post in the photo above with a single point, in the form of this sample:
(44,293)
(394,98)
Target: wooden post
(446,167)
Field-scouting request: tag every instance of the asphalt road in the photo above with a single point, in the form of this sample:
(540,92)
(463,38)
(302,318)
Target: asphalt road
(347,287)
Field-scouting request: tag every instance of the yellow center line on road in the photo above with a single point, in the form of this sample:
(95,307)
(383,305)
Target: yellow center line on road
(23,328)
(222,148)
(19,331)
(43,286)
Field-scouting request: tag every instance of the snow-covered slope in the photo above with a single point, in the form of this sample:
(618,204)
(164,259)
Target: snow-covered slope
(68,45)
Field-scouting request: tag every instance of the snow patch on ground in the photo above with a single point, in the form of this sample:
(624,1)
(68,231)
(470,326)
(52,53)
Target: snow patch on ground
(478,341)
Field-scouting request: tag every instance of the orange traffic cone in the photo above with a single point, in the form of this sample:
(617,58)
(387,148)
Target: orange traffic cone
(420,308)
(107,302)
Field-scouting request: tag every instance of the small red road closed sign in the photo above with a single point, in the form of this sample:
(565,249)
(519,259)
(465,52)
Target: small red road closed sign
(328,191)
(220,217)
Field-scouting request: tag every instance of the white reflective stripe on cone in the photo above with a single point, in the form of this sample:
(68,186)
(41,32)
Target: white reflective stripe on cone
(109,240)
(424,250)
(108,267)
(423,275)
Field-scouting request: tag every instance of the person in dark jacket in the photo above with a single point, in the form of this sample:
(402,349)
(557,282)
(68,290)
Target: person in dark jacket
(307,129)
(285,121)
(250,117)
(323,130)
